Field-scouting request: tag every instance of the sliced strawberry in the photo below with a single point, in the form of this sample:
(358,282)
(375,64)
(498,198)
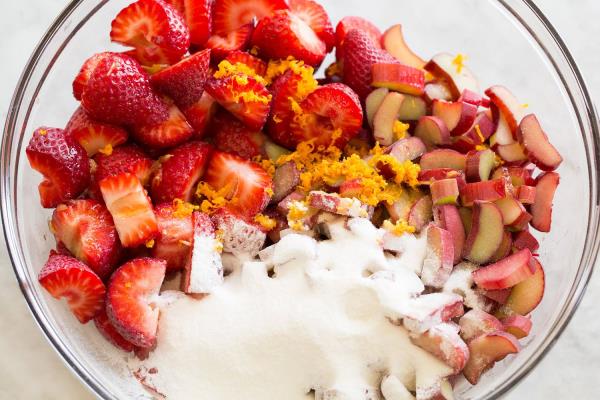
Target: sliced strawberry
(239,236)
(231,136)
(87,230)
(184,81)
(178,174)
(349,23)
(243,96)
(258,65)
(119,92)
(83,77)
(247,181)
(316,17)
(92,135)
(155,29)
(129,300)
(168,133)
(174,239)
(179,5)
(361,53)
(200,113)
(108,331)
(63,163)
(198,15)
(285,34)
(332,114)
(229,15)
(66,277)
(130,208)
(222,45)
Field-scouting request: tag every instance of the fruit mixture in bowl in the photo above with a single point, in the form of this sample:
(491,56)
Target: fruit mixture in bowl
(243,229)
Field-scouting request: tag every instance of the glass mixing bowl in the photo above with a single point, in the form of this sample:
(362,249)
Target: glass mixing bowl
(507,41)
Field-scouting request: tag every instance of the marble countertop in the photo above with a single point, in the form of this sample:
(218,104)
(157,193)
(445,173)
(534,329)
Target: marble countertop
(30,369)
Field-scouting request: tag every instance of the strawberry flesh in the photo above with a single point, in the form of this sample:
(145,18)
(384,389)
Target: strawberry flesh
(63,163)
(92,135)
(258,65)
(229,15)
(65,277)
(129,300)
(223,45)
(108,331)
(231,136)
(198,15)
(167,133)
(174,239)
(316,17)
(83,77)
(200,114)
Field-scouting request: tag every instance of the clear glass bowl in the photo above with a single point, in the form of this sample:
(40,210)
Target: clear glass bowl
(507,41)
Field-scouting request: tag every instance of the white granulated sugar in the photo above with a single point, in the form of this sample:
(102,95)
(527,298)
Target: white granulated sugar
(317,325)
(461,282)
(206,267)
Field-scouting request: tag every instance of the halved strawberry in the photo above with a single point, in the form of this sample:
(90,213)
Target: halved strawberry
(349,23)
(66,277)
(174,240)
(167,133)
(130,208)
(200,113)
(229,15)
(63,163)
(155,29)
(285,34)
(360,53)
(231,136)
(258,65)
(243,96)
(222,45)
(82,78)
(184,81)
(240,237)
(198,15)
(316,17)
(92,135)
(179,5)
(108,331)
(247,181)
(178,174)
(119,92)
(332,114)
(87,230)
(129,300)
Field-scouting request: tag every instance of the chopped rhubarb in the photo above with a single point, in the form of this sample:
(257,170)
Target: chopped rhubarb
(507,272)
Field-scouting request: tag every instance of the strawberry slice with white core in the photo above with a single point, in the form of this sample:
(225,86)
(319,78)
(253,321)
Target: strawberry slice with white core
(174,239)
(131,209)
(541,209)
(130,302)
(65,277)
(170,132)
(485,350)
(82,78)
(222,46)
(229,15)
(539,149)
(94,136)
(204,270)
(316,17)
(155,29)
(444,342)
(507,272)
(246,181)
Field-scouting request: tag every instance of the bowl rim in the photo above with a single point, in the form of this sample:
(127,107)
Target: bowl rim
(571,304)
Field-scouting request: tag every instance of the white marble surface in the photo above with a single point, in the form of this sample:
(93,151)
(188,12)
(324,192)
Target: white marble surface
(30,369)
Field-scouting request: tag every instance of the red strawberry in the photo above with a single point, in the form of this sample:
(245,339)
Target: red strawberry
(179,5)
(198,15)
(184,81)
(129,300)
(236,40)
(87,230)
(329,111)
(92,135)
(177,176)
(285,34)
(247,181)
(82,78)
(128,158)
(229,15)
(200,113)
(243,96)
(174,238)
(130,208)
(360,53)
(155,29)
(66,277)
(109,332)
(231,136)
(258,65)
(316,17)
(119,92)
(63,162)
(349,23)
(239,236)
(168,133)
